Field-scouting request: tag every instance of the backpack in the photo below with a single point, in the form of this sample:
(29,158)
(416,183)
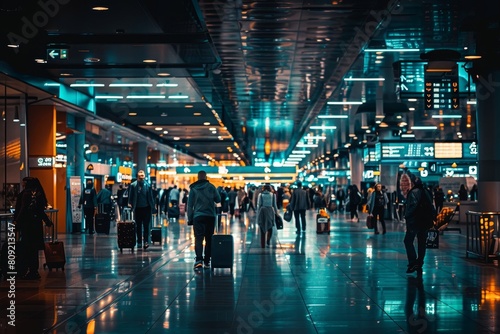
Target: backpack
(425,214)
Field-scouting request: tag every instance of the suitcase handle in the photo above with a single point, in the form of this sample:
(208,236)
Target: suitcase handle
(223,223)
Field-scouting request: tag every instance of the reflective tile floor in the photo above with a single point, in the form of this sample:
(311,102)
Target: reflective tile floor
(348,281)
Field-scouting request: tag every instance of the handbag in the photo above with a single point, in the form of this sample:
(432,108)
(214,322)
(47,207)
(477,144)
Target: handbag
(369,222)
(279,221)
(287,215)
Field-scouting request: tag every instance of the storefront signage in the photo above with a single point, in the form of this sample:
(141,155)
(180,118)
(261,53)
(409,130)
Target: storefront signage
(41,162)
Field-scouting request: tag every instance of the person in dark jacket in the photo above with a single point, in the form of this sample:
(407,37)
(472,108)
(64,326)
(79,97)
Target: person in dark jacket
(140,199)
(29,226)
(201,208)
(463,195)
(104,200)
(299,203)
(439,198)
(89,202)
(377,203)
(415,227)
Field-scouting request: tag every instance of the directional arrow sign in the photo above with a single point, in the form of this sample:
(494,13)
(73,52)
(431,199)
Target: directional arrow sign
(57,54)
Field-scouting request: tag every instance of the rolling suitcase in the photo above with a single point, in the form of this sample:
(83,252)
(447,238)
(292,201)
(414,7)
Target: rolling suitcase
(222,246)
(102,223)
(156,234)
(126,231)
(55,256)
(322,222)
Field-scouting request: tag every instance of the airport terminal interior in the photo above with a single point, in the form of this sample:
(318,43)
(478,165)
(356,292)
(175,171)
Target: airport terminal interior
(328,93)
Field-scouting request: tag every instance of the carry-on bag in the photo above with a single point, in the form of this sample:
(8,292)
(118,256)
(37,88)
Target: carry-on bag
(126,231)
(156,234)
(55,256)
(322,221)
(222,245)
(102,222)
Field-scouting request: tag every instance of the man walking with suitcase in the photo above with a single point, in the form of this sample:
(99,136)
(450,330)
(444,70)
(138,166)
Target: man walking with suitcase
(140,198)
(202,215)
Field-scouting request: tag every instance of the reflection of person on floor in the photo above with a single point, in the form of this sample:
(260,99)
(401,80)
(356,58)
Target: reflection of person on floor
(415,319)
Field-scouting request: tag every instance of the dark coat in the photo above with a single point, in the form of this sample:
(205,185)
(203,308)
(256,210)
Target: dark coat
(412,201)
(30,218)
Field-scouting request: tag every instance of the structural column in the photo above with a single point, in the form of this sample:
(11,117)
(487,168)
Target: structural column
(357,166)
(141,156)
(488,135)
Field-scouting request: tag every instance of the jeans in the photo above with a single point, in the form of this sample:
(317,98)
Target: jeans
(302,215)
(203,230)
(142,220)
(410,235)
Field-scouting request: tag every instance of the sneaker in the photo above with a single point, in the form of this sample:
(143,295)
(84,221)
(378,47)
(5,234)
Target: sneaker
(198,264)
(146,245)
(206,265)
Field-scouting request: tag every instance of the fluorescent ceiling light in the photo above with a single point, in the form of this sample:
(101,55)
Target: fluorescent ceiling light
(146,97)
(301,152)
(333,116)
(108,97)
(424,127)
(86,85)
(446,116)
(364,79)
(471,102)
(323,127)
(167,85)
(392,50)
(294,159)
(178,96)
(345,103)
(131,85)
(297,156)
(307,145)
(52,84)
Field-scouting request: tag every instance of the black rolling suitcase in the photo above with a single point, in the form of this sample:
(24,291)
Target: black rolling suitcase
(222,246)
(156,235)
(102,220)
(126,231)
(55,256)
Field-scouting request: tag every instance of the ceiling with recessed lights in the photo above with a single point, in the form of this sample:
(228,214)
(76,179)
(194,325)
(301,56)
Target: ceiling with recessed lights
(252,82)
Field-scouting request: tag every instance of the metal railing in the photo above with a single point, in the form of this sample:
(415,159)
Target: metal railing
(483,235)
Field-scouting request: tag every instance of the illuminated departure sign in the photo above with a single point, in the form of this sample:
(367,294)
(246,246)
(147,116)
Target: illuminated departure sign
(442,90)
(416,152)
(399,151)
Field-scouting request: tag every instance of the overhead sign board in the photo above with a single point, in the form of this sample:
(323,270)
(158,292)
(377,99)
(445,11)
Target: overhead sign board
(401,151)
(57,54)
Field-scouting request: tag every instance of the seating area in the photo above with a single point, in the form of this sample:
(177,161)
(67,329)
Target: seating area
(347,281)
